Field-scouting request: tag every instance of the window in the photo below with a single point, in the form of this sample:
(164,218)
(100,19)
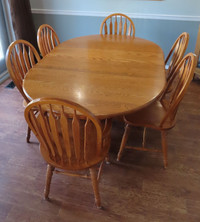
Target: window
(1,51)
(4,42)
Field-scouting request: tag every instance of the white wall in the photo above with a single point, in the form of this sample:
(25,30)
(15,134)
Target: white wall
(158,21)
(167,7)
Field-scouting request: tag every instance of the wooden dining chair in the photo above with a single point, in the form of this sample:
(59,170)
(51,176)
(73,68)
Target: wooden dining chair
(117,24)
(176,53)
(71,139)
(47,39)
(197,52)
(161,114)
(21,56)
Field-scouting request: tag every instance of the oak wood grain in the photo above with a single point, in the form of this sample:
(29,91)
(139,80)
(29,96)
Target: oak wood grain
(117,24)
(47,39)
(110,75)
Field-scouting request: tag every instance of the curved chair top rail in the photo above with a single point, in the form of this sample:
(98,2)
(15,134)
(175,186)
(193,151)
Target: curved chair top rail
(47,39)
(176,53)
(177,86)
(21,56)
(118,24)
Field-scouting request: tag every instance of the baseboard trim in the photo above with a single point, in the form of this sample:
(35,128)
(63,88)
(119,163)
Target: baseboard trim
(104,14)
(4,76)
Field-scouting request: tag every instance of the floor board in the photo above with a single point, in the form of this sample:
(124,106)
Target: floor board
(135,189)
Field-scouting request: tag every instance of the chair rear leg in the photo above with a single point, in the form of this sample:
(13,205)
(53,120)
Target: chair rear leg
(28,135)
(99,171)
(164,148)
(107,159)
(124,140)
(95,185)
(49,175)
(144,137)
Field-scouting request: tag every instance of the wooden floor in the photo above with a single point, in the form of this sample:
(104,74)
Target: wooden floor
(135,189)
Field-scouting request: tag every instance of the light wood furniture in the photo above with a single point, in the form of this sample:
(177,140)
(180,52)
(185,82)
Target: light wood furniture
(47,39)
(21,56)
(117,24)
(161,114)
(197,52)
(110,75)
(70,142)
(176,53)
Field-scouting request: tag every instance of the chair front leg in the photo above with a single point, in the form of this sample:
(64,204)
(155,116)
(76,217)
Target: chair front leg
(124,140)
(28,135)
(49,175)
(95,185)
(164,148)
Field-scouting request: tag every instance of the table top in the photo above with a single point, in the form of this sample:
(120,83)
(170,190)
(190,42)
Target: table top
(110,75)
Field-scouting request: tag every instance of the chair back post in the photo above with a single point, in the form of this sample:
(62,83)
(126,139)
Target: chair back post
(21,56)
(117,24)
(178,85)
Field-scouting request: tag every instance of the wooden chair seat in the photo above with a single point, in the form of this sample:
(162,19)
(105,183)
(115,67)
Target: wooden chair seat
(151,117)
(94,159)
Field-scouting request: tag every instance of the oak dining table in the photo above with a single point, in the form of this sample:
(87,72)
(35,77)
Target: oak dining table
(110,75)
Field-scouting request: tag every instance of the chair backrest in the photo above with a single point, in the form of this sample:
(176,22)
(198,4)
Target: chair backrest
(47,39)
(176,53)
(70,136)
(21,56)
(117,24)
(197,47)
(177,86)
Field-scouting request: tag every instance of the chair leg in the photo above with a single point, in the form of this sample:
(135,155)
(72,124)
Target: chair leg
(144,137)
(164,148)
(49,175)
(124,140)
(95,185)
(99,171)
(28,135)
(107,160)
